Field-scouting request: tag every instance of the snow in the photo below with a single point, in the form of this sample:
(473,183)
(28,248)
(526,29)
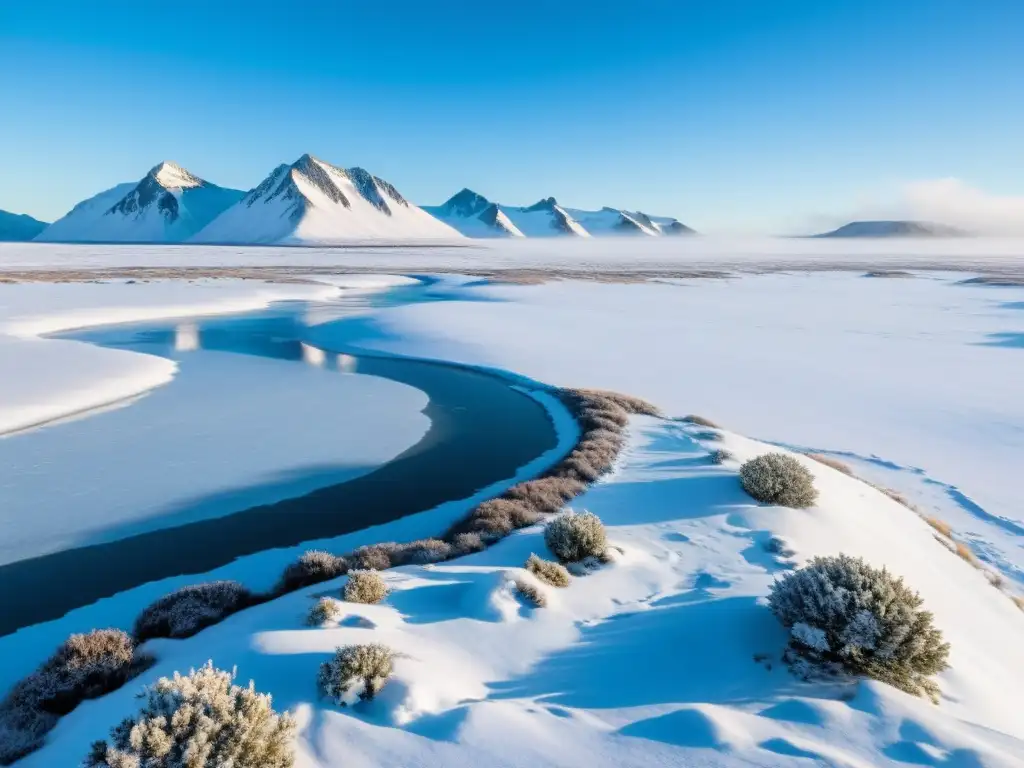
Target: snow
(668,656)
(680,254)
(314,202)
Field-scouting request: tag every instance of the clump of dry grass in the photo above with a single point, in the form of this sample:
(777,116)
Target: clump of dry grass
(313,567)
(628,403)
(721,455)
(1018,600)
(964,553)
(940,525)
(829,461)
(375,557)
(898,497)
(531,593)
(326,609)
(548,571)
(995,579)
(700,421)
(190,609)
(365,587)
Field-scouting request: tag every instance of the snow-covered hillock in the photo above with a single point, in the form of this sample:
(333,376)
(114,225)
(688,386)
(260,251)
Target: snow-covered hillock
(666,655)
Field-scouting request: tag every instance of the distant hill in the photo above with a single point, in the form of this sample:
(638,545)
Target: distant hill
(894,229)
(19,227)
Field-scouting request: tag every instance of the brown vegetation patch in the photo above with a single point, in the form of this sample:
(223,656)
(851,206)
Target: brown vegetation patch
(828,461)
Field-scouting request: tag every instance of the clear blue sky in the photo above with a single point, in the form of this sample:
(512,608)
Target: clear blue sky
(730,114)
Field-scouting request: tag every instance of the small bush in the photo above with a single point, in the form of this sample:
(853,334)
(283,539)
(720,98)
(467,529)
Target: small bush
(375,557)
(313,567)
(84,667)
(467,543)
(546,494)
(700,421)
(357,672)
(628,403)
(898,497)
(828,461)
(995,579)
(365,587)
(324,610)
(574,536)
(941,526)
(547,571)
(846,617)
(776,478)
(198,721)
(422,552)
(531,593)
(721,455)
(190,609)
(1018,600)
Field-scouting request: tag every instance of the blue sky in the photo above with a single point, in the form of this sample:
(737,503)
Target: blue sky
(734,115)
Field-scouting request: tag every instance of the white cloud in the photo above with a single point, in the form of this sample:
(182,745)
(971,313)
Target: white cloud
(954,202)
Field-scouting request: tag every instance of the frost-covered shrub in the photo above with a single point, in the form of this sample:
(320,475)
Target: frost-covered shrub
(776,478)
(357,672)
(575,535)
(313,567)
(84,667)
(422,552)
(467,543)
(846,617)
(531,593)
(721,455)
(365,587)
(628,403)
(548,571)
(375,557)
(546,494)
(201,720)
(326,609)
(190,609)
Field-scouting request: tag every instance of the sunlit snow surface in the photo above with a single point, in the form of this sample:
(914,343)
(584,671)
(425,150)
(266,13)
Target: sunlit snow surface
(669,656)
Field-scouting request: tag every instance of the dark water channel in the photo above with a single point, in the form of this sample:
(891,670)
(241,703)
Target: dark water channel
(482,430)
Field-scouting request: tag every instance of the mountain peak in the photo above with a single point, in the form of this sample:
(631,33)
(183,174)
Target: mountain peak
(172,176)
(894,228)
(467,203)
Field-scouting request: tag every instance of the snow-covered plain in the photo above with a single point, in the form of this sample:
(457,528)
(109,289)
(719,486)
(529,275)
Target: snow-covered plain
(669,656)
(228,436)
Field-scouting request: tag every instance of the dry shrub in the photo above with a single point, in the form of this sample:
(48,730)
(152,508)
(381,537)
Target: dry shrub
(896,496)
(1018,600)
(84,667)
(828,461)
(467,543)
(721,455)
(365,587)
(628,403)
(200,720)
(531,593)
(546,494)
(846,617)
(576,535)
(964,553)
(700,421)
(357,672)
(941,526)
(777,478)
(190,609)
(547,571)
(995,579)
(706,436)
(325,609)
(422,552)
(375,557)
(313,567)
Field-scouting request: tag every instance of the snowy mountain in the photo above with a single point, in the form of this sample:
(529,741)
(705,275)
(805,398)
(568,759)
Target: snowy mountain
(476,216)
(311,201)
(168,205)
(18,227)
(894,229)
